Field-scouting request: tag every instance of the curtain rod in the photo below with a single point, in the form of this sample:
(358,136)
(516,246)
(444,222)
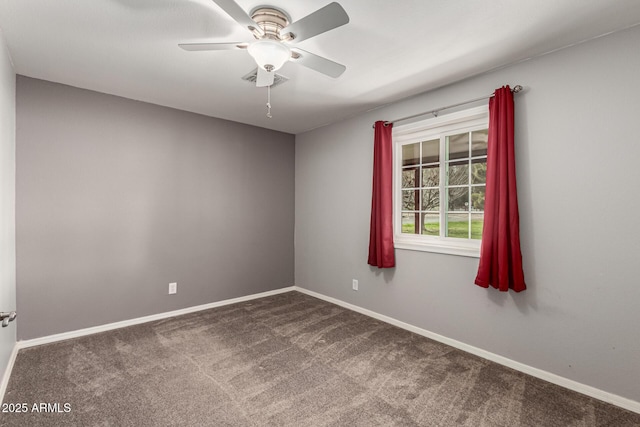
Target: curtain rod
(516,89)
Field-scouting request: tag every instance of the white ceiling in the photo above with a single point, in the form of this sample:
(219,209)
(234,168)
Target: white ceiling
(392,49)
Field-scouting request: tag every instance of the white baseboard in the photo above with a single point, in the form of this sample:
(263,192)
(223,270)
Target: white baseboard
(123,324)
(596,393)
(7,372)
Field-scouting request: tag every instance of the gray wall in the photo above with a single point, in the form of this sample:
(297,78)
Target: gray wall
(578,159)
(118,198)
(7,202)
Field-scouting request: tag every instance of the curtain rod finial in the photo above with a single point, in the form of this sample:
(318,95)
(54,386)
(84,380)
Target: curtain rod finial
(517,88)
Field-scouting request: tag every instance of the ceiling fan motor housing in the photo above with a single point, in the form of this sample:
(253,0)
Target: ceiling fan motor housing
(271,21)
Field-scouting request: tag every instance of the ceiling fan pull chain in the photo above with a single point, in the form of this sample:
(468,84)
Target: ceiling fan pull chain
(269,101)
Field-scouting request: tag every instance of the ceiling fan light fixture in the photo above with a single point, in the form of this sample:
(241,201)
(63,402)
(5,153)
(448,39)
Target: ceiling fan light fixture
(269,54)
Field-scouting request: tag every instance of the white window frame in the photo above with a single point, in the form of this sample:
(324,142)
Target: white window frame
(425,130)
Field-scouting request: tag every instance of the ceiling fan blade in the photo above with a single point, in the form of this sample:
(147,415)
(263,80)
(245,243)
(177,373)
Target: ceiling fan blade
(213,46)
(318,63)
(264,77)
(322,20)
(234,10)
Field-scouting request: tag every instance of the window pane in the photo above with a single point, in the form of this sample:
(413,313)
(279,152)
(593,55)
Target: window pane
(431,151)
(458,173)
(411,154)
(430,176)
(409,200)
(409,223)
(479,142)
(431,224)
(431,200)
(459,199)
(479,171)
(477,198)
(441,180)
(458,225)
(409,177)
(458,146)
(477,221)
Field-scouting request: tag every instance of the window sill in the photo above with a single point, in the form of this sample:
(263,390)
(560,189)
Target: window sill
(448,246)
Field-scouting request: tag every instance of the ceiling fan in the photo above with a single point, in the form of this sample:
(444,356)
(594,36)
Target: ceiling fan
(275,38)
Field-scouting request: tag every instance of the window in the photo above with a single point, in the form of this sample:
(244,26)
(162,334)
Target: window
(439,183)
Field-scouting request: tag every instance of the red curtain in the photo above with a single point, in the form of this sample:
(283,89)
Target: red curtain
(500,256)
(381,252)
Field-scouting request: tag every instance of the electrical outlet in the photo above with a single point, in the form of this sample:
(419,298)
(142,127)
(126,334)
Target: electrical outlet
(173,288)
(354,285)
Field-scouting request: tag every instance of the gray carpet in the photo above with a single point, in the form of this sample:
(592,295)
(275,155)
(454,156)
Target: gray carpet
(285,360)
